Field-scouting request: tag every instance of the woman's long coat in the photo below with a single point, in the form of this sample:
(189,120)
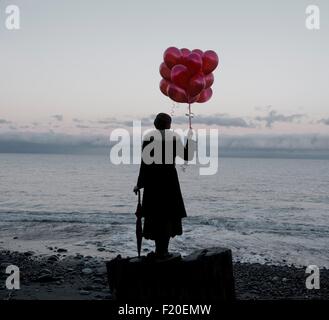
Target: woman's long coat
(162,205)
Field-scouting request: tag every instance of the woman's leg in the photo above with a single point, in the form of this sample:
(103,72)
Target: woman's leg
(161,245)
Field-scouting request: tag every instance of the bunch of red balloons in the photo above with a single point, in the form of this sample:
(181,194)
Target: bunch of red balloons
(187,75)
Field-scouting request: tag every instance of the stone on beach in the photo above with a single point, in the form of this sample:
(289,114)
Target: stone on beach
(84,292)
(53,258)
(29,253)
(87,271)
(46,278)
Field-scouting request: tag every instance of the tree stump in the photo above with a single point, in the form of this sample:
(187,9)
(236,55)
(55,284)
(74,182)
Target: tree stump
(204,276)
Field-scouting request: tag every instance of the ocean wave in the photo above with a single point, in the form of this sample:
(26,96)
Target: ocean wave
(65,217)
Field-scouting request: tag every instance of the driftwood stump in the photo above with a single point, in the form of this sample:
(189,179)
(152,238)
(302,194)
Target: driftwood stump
(204,276)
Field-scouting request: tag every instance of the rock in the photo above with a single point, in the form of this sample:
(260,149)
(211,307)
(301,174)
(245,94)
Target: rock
(29,253)
(100,270)
(204,276)
(53,258)
(87,271)
(15,238)
(101,249)
(99,281)
(84,292)
(89,288)
(60,250)
(4,264)
(46,278)
(45,271)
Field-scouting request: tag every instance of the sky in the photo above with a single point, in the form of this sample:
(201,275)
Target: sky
(86,67)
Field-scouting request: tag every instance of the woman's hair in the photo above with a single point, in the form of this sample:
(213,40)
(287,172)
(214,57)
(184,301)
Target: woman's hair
(162,121)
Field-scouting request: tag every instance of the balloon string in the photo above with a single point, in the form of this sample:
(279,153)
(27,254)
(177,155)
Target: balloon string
(189,116)
(173,107)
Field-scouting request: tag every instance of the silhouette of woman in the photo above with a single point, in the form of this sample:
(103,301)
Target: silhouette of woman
(162,205)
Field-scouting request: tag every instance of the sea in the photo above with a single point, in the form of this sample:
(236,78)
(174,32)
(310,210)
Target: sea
(270,211)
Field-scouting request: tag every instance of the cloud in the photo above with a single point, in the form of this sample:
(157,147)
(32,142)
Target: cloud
(252,145)
(104,122)
(51,142)
(263,108)
(111,120)
(216,119)
(4,121)
(58,117)
(221,120)
(146,122)
(277,142)
(273,116)
(324,121)
(308,146)
(77,120)
(81,126)
(109,123)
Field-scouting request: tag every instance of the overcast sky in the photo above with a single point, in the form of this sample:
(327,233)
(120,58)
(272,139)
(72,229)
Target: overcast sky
(98,61)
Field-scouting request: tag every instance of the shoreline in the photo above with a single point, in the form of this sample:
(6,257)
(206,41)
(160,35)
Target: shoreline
(59,276)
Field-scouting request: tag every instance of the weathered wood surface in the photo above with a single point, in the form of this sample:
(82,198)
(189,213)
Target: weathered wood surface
(204,276)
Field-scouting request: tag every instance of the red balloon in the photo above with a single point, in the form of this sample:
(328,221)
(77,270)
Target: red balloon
(180,76)
(171,57)
(205,95)
(194,99)
(185,52)
(196,85)
(176,93)
(210,61)
(209,78)
(187,75)
(164,84)
(193,62)
(165,71)
(198,51)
